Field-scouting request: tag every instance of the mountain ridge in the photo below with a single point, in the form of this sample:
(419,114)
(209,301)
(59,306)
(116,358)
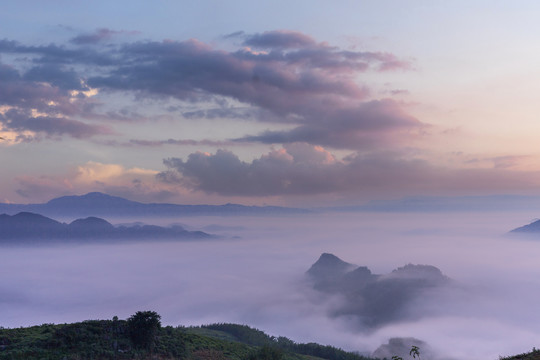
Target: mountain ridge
(25,226)
(532,228)
(100,204)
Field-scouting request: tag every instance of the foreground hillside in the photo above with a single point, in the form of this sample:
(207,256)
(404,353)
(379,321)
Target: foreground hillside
(142,337)
(533,355)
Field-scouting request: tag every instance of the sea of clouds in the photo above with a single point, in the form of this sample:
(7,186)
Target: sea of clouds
(255,275)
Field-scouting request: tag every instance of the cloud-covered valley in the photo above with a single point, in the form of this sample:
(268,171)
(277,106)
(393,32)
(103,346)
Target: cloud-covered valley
(256,276)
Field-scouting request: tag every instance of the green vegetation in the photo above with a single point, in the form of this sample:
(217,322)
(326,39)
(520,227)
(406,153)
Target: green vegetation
(254,337)
(143,328)
(142,337)
(533,355)
(414,352)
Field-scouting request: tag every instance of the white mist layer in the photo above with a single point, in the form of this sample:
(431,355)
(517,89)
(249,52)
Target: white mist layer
(257,279)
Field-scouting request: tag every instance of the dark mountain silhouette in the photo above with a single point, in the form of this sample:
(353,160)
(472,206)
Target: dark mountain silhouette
(99,204)
(91,222)
(373,299)
(326,270)
(329,265)
(92,199)
(26,224)
(91,227)
(532,228)
(27,227)
(27,218)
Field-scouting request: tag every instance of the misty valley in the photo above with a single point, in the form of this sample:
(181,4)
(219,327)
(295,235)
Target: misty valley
(371,283)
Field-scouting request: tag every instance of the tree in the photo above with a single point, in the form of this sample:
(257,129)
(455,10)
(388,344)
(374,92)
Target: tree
(415,353)
(143,327)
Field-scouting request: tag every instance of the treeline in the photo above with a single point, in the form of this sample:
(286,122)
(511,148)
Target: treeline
(142,337)
(91,339)
(532,355)
(256,337)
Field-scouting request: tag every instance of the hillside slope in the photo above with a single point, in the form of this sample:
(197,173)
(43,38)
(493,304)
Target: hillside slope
(110,339)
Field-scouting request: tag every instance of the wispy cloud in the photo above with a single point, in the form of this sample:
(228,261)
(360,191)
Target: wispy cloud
(365,126)
(99,35)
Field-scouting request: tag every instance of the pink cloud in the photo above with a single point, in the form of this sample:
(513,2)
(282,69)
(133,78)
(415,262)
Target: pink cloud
(116,179)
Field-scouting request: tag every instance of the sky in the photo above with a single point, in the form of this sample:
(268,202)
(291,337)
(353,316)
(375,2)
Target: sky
(303,103)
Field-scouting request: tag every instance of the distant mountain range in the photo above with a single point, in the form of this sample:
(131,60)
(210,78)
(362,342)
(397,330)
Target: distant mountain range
(488,203)
(26,227)
(373,299)
(99,204)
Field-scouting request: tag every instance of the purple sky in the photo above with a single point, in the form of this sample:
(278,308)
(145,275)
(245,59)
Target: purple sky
(312,105)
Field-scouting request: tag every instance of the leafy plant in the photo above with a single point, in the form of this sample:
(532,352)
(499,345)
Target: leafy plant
(414,352)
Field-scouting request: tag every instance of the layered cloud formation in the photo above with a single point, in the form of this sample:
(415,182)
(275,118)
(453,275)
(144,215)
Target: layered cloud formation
(284,77)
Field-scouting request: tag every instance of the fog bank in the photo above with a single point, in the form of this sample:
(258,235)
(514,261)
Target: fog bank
(255,276)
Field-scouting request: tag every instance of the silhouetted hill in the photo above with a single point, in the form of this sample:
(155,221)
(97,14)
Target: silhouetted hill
(27,225)
(92,199)
(532,228)
(24,227)
(326,270)
(329,265)
(99,204)
(30,219)
(427,273)
(374,299)
(91,222)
